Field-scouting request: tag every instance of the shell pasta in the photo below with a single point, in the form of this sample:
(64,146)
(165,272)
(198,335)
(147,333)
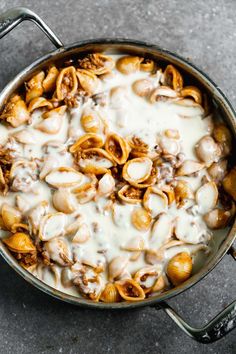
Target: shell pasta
(115,177)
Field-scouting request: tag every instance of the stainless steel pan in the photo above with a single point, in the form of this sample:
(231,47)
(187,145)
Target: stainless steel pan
(226,320)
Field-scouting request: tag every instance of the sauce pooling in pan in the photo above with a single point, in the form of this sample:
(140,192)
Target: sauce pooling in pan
(115,176)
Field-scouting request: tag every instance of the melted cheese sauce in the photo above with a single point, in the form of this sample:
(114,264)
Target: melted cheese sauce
(112,230)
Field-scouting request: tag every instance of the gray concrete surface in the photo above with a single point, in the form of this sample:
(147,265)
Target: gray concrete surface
(32,322)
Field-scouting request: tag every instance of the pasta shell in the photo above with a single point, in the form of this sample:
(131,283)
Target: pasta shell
(20,243)
(207,150)
(141,219)
(87,80)
(58,251)
(66,83)
(35,215)
(142,87)
(63,177)
(95,161)
(10,216)
(173,78)
(87,141)
(169,192)
(163,93)
(183,192)
(97,263)
(137,170)
(159,285)
(51,226)
(150,181)
(222,133)
(175,248)
(217,218)
(90,121)
(169,146)
(82,235)
(106,185)
(188,230)
(110,294)
(50,163)
(97,63)
(192,92)
(223,137)
(2,225)
(19,227)
(179,268)
(63,201)
(138,147)
(121,214)
(15,112)
(89,283)
(116,267)
(52,122)
(206,197)
(49,83)
(156,256)
(118,97)
(218,170)
(39,102)
(155,201)
(25,136)
(161,231)
(130,194)
(130,290)
(189,167)
(118,148)
(128,64)
(229,183)
(2,178)
(59,111)
(34,87)
(87,191)
(153,256)
(147,277)
(187,108)
(23,174)
(74,226)
(56,273)
(50,125)
(135,244)
(147,65)
(66,278)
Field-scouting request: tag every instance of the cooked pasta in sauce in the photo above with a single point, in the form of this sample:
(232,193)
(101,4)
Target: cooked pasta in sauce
(114,177)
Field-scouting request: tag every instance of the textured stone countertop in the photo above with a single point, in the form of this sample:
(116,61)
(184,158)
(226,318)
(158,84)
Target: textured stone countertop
(32,322)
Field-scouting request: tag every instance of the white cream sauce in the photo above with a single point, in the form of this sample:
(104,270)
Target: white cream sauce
(110,229)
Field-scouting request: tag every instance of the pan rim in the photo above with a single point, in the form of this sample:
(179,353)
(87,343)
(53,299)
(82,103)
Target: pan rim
(225,245)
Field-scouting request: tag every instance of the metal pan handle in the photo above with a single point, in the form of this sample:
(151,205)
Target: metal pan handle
(12,17)
(217,328)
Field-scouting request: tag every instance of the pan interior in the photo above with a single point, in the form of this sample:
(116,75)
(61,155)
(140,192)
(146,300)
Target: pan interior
(223,240)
